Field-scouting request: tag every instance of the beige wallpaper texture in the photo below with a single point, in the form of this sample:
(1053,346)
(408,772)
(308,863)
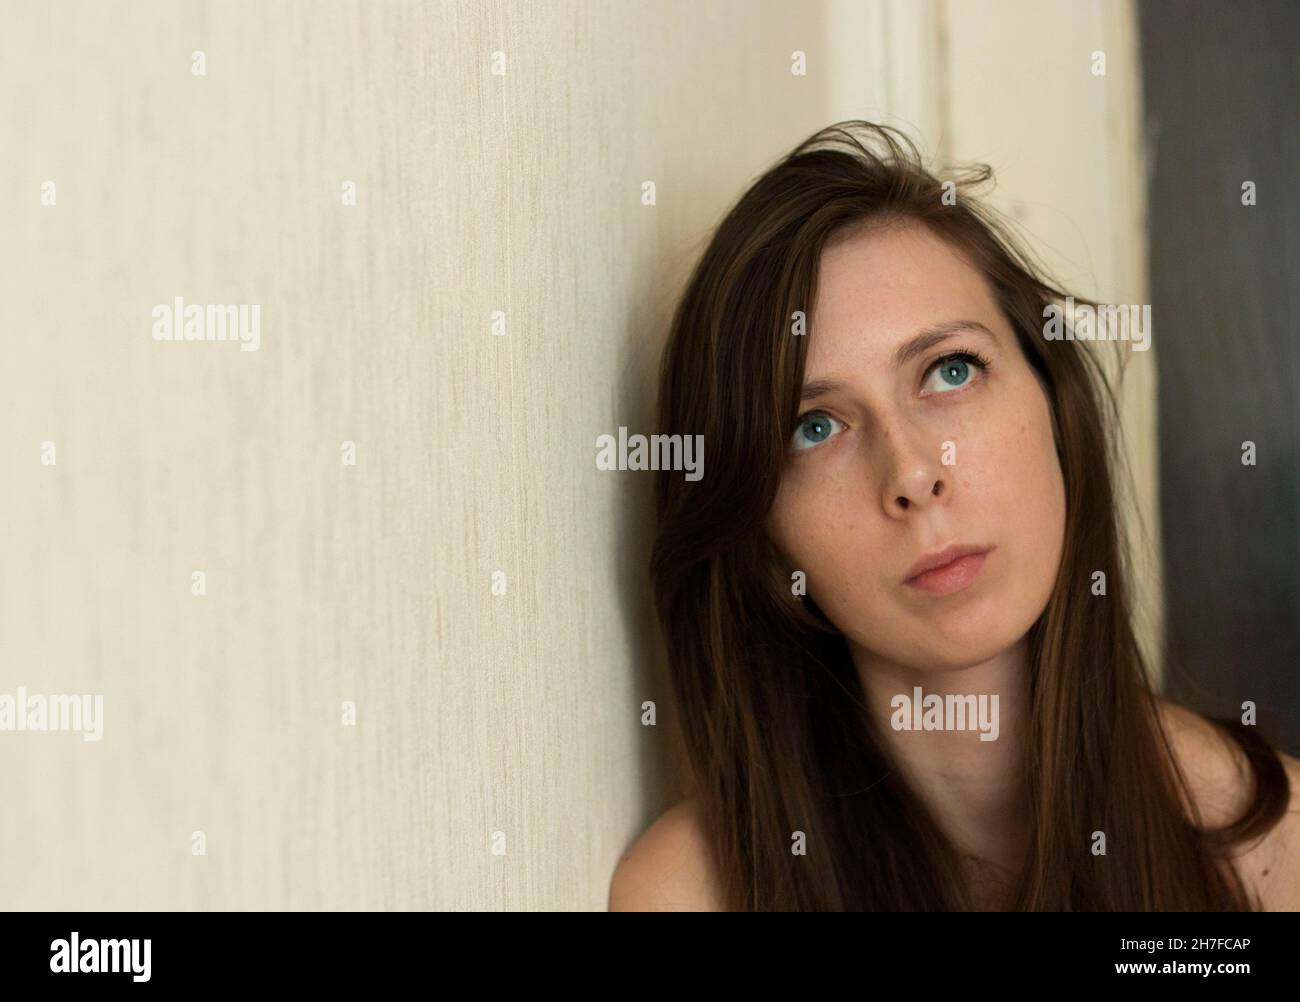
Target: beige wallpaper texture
(370,629)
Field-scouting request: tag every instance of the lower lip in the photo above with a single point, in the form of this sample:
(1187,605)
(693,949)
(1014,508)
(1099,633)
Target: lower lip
(950,577)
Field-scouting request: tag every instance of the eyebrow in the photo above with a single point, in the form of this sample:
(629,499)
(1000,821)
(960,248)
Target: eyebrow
(918,345)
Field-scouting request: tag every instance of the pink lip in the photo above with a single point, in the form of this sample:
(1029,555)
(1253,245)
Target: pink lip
(949,570)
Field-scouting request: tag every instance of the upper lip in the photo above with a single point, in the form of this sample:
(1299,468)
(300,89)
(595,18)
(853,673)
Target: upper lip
(945,556)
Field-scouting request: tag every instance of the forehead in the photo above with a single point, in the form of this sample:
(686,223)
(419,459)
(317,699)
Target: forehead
(878,286)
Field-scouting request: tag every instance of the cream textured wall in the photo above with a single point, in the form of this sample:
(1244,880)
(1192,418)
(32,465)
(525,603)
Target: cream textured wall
(476,192)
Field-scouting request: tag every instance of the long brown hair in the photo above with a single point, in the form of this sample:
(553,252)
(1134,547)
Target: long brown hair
(765,692)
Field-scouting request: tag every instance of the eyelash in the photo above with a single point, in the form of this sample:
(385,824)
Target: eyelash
(969,355)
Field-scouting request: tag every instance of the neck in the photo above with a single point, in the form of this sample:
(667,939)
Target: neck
(974,788)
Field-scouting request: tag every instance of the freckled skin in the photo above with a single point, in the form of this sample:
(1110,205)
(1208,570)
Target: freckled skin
(840,514)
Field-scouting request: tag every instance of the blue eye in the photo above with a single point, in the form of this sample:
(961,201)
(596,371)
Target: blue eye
(954,371)
(815,427)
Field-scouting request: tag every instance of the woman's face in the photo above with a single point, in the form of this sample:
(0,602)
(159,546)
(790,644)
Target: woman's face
(903,457)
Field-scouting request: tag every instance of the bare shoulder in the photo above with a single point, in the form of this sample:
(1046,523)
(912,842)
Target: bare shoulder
(1216,769)
(669,868)
(1219,778)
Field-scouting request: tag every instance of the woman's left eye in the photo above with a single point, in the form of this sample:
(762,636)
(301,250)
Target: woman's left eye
(956,370)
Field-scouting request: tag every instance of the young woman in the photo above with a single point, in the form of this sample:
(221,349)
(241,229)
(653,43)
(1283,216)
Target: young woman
(908,504)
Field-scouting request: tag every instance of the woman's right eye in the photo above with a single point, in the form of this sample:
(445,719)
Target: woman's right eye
(812,429)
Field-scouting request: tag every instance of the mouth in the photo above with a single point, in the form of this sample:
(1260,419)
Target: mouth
(949,570)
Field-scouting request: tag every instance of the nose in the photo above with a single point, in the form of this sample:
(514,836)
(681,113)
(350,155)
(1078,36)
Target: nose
(915,477)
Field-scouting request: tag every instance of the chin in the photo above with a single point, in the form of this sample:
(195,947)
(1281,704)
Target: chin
(971,637)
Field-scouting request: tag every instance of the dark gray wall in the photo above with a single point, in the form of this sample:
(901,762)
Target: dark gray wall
(1221,89)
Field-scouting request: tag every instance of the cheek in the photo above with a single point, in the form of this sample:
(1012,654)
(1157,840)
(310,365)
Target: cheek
(829,533)
(823,530)
(802,526)
(1022,492)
